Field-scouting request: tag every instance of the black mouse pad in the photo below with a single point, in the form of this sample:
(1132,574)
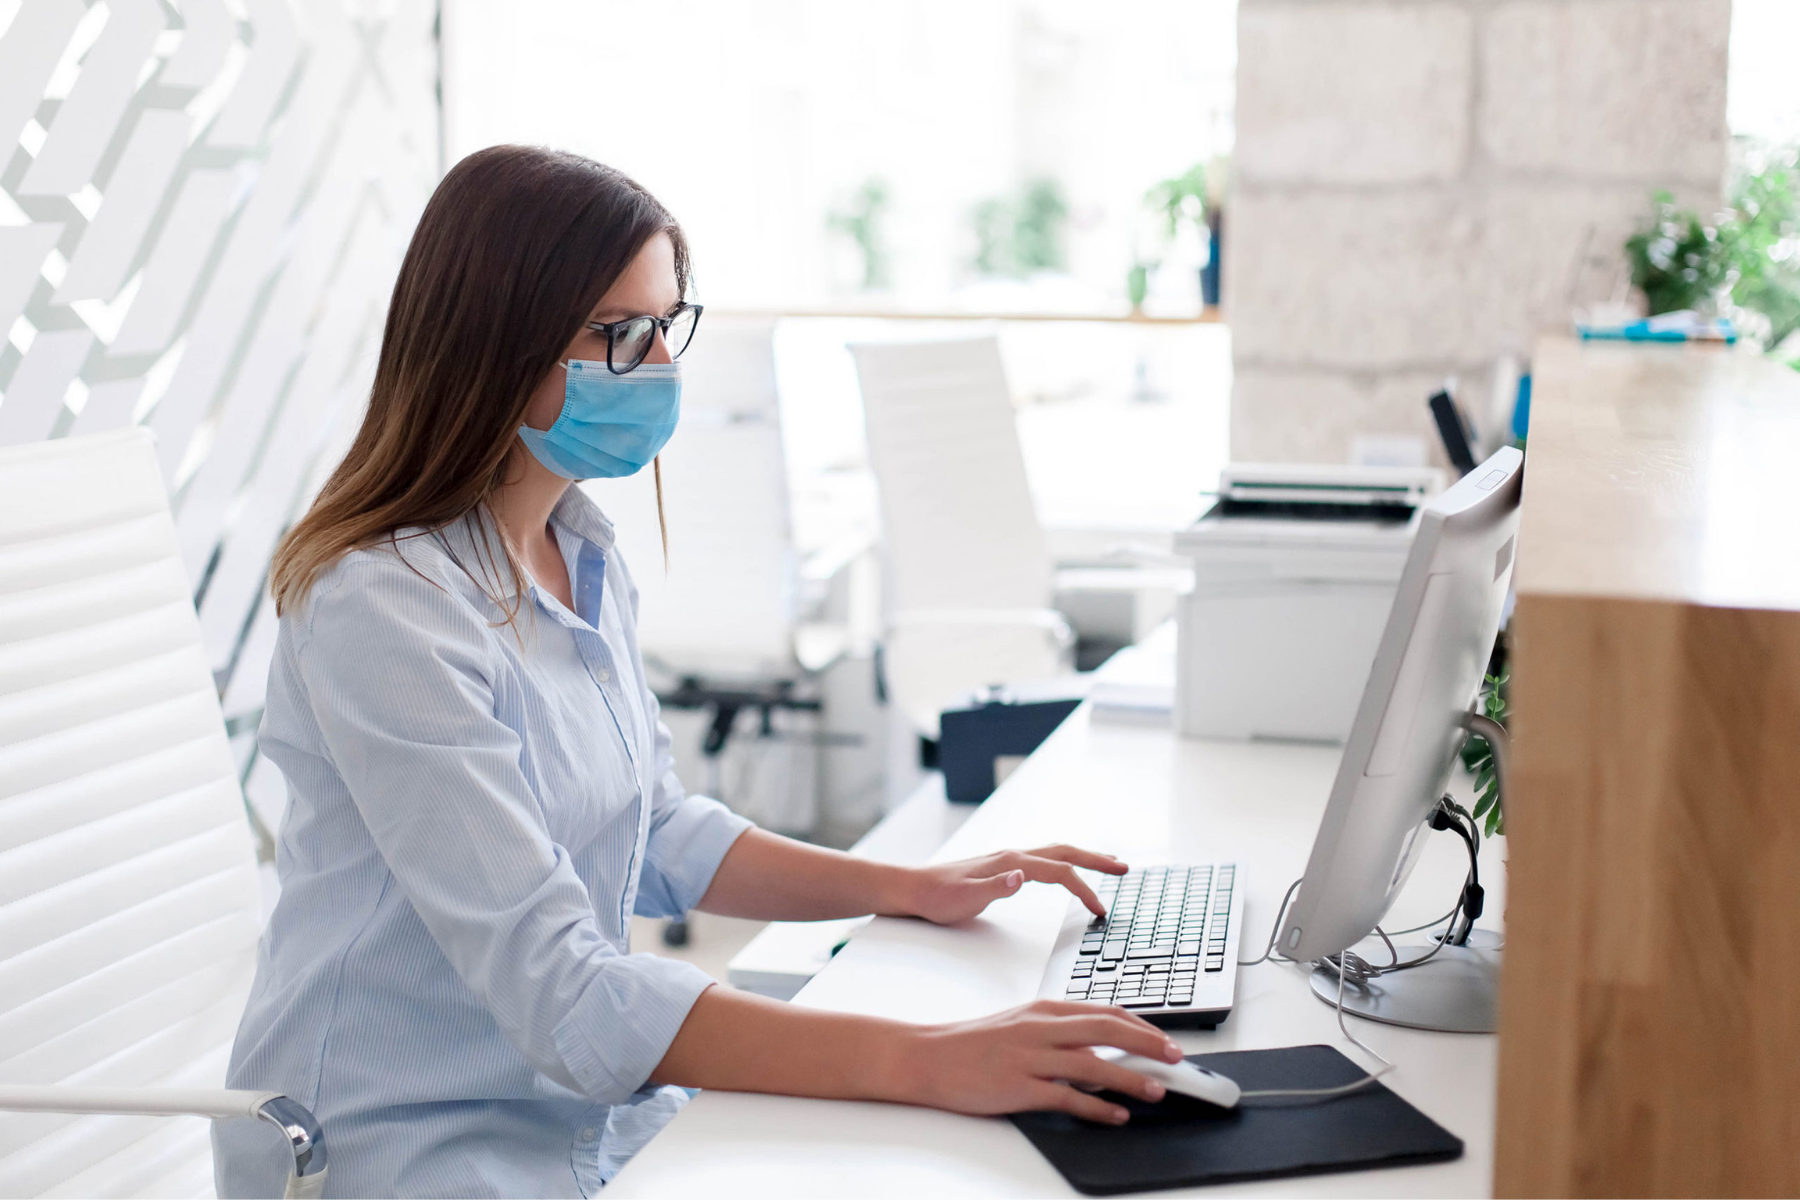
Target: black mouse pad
(1182,1142)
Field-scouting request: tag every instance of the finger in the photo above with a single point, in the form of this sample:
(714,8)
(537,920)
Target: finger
(1060,1097)
(1115,1028)
(1049,870)
(1081,1067)
(1092,860)
(997,887)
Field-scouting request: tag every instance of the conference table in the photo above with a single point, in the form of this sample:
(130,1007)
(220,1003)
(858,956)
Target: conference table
(1136,790)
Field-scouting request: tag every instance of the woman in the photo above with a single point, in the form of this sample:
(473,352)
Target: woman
(481,793)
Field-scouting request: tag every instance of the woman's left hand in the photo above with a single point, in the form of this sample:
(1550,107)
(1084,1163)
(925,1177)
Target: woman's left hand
(957,891)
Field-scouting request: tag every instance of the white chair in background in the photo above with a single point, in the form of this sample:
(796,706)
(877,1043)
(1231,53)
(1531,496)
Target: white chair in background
(720,626)
(727,605)
(129,903)
(968,578)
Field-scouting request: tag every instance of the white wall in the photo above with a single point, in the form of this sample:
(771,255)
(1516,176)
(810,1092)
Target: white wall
(1765,93)
(1423,185)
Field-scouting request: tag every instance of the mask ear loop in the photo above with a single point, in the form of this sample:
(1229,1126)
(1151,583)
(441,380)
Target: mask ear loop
(662,520)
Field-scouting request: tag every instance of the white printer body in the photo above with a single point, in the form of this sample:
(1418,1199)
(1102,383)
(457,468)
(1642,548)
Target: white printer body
(1295,569)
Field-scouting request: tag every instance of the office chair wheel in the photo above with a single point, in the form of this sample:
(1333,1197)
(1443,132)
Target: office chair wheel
(676,932)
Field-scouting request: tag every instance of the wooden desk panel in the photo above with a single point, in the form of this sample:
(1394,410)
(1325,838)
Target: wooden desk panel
(1662,472)
(1650,1020)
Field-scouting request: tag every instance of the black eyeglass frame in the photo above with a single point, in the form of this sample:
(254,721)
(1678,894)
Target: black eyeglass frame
(612,331)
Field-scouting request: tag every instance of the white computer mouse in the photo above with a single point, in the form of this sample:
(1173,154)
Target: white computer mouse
(1183,1077)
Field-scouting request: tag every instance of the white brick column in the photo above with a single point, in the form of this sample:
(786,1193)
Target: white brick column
(1418,182)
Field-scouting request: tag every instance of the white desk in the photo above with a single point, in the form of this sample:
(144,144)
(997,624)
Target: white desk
(1146,795)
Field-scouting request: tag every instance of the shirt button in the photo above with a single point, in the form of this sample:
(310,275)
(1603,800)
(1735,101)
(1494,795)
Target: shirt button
(589,1134)
(604,674)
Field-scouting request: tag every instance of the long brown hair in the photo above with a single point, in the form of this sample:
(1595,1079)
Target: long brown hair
(513,251)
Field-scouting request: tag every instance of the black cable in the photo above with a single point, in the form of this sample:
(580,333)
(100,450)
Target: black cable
(1450,815)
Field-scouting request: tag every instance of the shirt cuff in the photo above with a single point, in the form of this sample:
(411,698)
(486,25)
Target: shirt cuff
(684,854)
(623,1023)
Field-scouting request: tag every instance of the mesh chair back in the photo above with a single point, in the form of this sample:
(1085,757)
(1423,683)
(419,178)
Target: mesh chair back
(129,907)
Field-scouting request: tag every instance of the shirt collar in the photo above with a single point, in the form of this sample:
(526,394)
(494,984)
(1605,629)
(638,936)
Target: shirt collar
(578,513)
(473,541)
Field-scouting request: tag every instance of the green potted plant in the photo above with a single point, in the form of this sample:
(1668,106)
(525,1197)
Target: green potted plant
(1182,200)
(1745,263)
(1478,756)
(1017,236)
(862,218)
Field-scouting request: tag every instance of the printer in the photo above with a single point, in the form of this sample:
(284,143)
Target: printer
(1295,569)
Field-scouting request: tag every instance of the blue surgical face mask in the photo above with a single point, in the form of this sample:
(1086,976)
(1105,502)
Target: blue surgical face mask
(611,425)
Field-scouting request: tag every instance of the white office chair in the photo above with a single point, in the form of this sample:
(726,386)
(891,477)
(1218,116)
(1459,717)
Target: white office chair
(727,601)
(129,906)
(722,621)
(968,575)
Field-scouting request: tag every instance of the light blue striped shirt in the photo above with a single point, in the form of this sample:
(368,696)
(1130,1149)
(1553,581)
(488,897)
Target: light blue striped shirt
(473,816)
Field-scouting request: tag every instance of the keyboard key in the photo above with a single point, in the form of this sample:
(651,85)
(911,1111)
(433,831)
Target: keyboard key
(1166,925)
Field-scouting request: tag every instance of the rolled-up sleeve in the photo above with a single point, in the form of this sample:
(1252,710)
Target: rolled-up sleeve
(402,676)
(689,838)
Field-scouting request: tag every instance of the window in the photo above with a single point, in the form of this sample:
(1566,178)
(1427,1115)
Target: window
(989,156)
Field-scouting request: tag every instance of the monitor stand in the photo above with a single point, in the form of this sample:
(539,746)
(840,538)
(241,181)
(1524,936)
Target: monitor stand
(1457,991)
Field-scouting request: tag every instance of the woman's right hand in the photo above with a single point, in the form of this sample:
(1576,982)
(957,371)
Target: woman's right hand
(1029,1059)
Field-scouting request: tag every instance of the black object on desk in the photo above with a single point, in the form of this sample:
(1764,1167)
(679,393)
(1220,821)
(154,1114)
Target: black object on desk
(1182,1142)
(970,739)
(1453,431)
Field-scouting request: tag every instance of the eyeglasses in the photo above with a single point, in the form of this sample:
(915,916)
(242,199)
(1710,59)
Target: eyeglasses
(628,342)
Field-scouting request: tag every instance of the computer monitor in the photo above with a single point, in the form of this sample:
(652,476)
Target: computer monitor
(1424,682)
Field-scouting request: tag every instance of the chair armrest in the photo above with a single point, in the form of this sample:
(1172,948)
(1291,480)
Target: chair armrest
(306,1140)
